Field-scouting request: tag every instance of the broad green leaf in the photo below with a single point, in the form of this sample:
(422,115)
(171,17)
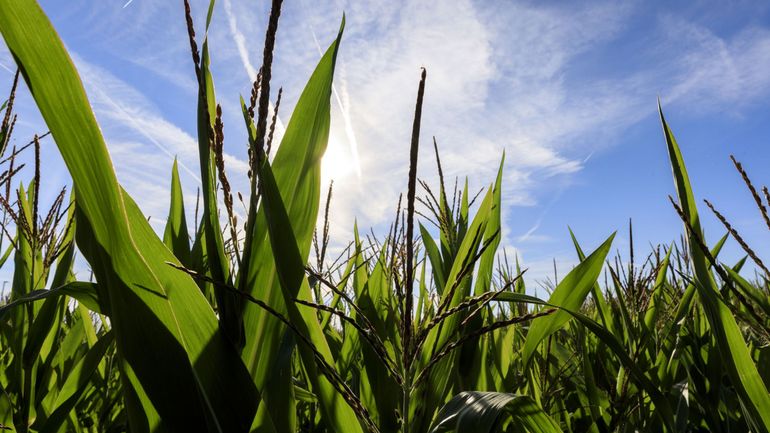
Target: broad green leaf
(164,327)
(471,364)
(490,412)
(569,294)
(596,291)
(492,235)
(296,170)
(290,267)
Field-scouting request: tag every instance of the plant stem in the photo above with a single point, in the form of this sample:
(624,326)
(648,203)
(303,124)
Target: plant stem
(409,295)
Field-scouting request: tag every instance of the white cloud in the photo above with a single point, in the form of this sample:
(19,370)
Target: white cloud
(717,73)
(142,143)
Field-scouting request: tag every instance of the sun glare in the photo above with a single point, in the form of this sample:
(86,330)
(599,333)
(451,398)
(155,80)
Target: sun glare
(337,162)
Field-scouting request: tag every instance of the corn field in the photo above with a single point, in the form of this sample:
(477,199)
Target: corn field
(252,326)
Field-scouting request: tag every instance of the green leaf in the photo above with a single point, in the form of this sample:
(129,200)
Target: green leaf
(458,287)
(569,294)
(487,412)
(290,267)
(612,342)
(44,322)
(164,327)
(655,305)
(471,364)
(685,303)
(436,263)
(6,411)
(296,173)
(85,293)
(596,291)
(492,235)
(77,380)
(217,266)
(175,235)
(753,293)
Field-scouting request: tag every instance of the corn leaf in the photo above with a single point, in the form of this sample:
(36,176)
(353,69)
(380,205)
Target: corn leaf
(164,327)
(488,412)
(76,383)
(175,235)
(569,294)
(296,170)
(291,273)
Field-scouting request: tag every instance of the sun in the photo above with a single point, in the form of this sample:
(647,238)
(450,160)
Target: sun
(337,162)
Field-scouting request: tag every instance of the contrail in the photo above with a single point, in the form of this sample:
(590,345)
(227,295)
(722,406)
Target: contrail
(130,119)
(531,231)
(7,68)
(243,53)
(137,127)
(545,211)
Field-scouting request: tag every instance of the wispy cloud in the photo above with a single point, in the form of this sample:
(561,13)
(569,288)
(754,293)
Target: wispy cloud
(142,143)
(240,41)
(480,97)
(120,103)
(716,72)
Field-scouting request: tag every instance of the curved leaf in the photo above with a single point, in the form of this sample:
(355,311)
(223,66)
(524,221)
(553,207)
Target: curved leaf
(164,327)
(569,294)
(85,293)
(487,412)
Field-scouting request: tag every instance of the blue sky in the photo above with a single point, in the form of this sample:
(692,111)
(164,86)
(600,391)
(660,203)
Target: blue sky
(567,89)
